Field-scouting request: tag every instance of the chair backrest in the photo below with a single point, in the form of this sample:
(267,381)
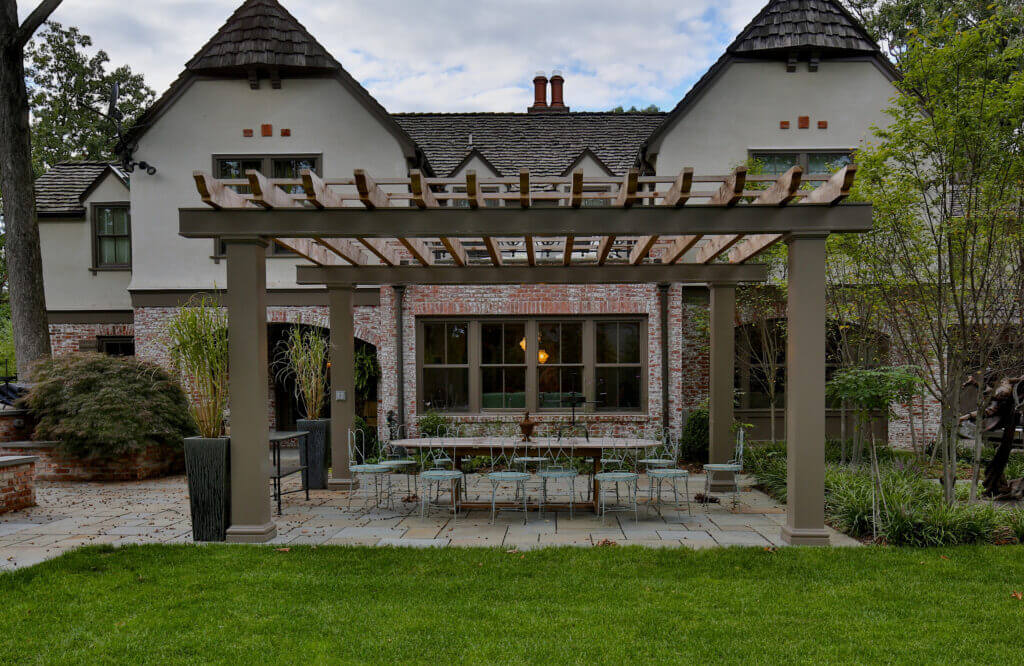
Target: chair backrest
(558,453)
(503,452)
(738,454)
(363,447)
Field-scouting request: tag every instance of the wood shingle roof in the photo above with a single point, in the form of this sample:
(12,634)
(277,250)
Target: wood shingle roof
(786,25)
(59,191)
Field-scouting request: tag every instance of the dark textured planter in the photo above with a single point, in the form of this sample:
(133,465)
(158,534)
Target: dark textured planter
(318,441)
(208,466)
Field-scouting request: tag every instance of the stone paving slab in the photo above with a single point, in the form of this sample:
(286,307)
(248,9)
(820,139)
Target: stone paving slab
(71,515)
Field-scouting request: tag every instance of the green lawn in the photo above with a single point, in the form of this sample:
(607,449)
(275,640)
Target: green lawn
(156,604)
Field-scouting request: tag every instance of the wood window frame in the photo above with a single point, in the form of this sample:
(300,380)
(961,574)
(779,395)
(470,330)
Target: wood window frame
(532,368)
(267,169)
(94,209)
(802,155)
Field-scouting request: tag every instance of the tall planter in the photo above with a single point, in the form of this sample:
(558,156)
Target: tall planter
(208,466)
(317,443)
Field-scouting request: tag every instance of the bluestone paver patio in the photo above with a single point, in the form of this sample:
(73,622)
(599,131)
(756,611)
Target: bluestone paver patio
(70,515)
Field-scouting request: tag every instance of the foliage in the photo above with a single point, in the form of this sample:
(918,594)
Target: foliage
(302,355)
(66,88)
(199,348)
(100,406)
(695,438)
(653,108)
(366,368)
(872,390)
(946,178)
(8,366)
(432,424)
(914,511)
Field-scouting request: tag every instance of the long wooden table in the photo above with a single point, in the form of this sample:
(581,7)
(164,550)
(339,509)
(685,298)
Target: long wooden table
(578,447)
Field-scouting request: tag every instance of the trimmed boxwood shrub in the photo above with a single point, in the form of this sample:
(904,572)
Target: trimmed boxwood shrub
(99,406)
(696,437)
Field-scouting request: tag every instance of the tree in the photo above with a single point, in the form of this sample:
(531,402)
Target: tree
(24,258)
(946,178)
(67,89)
(761,341)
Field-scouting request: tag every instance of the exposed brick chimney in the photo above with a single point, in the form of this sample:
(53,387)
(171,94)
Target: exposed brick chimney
(557,99)
(540,94)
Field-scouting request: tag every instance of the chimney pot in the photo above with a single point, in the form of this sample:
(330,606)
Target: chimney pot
(540,93)
(557,92)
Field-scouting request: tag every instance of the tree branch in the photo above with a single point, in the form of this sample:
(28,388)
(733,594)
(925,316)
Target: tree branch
(32,22)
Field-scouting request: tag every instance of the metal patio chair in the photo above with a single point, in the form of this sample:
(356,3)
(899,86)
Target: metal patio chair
(662,467)
(625,475)
(500,471)
(439,470)
(397,458)
(364,461)
(734,466)
(559,465)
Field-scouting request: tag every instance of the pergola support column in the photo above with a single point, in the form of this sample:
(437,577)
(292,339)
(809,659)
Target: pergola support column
(246,300)
(722,363)
(805,392)
(343,385)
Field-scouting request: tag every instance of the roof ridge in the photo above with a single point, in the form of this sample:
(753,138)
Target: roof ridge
(527,115)
(774,37)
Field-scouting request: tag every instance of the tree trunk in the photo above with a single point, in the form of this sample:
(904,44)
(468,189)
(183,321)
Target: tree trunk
(995,483)
(24,259)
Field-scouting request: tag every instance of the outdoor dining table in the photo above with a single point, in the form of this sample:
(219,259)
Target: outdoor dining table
(594,448)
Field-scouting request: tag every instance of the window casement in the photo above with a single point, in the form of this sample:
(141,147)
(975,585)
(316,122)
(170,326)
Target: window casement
(813,162)
(542,364)
(112,237)
(271,166)
(116,345)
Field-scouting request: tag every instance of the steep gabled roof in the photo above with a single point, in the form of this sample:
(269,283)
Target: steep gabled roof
(786,25)
(262,37)
(546,144)
(60,192)
(262,33)
(823,28)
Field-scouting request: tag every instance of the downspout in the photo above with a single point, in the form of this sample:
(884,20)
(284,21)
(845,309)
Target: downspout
(663,303)
(399,351)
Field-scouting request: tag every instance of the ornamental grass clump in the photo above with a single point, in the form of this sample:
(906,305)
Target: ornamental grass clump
(302,355)
(199,349)
(99,406)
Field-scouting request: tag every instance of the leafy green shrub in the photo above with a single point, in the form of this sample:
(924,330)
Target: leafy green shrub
(695,439)
(432,424)
(1015,521)
(100,406)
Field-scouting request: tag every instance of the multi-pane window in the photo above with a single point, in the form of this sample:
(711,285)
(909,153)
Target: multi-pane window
(113,242)
(116,345)
(446,365)
(619,371)
(538,363)
(560,363)
(777,162)
(503,365)
(284,166)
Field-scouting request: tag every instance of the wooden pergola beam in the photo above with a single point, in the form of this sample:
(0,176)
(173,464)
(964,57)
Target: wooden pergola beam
(576,194)
(531,250)
(422,196)
(370,193)
(216,194)
(731,190)
(317,193)
(456,249)
(493,275)
(675,197)
(266,194)
(380,249)
(322,253)
(626,196)
(679,247)
(347,249)
(783,190)
(642,249)
(524,188)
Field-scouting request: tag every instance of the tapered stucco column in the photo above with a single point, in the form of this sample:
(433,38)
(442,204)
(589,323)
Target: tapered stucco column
(246,300)
(805,393)
(723,359)
(343,385)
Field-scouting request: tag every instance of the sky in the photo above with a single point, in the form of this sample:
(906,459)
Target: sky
(444,55)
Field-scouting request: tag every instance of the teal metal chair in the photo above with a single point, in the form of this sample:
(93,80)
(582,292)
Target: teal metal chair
(439,471)
(364,462)
(623,476)
(397,458)
(663,467)
(558,466)
(734,467)
(504,452)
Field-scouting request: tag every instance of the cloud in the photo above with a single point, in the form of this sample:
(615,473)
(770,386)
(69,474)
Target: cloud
(450,56)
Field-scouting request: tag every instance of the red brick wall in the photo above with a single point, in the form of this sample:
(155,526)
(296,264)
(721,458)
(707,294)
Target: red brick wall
(17,487)
(14,425)
(68,338)
(53,465)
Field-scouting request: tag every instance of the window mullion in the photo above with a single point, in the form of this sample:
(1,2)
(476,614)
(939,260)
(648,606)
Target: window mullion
(532,334)
(475,370)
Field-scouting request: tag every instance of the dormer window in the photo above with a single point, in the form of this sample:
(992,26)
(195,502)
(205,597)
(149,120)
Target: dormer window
(112,239)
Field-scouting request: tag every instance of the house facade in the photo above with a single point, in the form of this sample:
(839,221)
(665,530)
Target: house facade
(802,84)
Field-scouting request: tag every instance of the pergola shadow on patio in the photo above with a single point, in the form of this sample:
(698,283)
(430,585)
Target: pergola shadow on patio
(494,231)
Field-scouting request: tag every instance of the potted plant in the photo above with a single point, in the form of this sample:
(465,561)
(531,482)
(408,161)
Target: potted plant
(302,355)
(199,349)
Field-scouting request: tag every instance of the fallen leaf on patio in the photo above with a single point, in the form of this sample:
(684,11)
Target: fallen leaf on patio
(606,542)
(1019,596)
(513,551)
(283,550)
(769,549)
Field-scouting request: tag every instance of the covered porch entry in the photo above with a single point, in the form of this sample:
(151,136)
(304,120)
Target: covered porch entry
(420,230)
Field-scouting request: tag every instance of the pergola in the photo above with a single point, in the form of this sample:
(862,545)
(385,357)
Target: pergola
(547,230)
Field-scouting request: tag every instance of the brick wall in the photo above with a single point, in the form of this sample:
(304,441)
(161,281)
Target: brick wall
(69,338)
(17,483)
(14,425)
(53,465)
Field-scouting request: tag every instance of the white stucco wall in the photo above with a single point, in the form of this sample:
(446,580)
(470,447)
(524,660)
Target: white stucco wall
(742,109)
(208,119)
(67,257)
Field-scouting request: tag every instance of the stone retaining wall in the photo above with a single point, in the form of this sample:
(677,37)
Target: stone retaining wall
(14,425)
(17,487)
(54,465)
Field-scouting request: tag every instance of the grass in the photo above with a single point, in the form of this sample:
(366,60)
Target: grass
(223,604)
